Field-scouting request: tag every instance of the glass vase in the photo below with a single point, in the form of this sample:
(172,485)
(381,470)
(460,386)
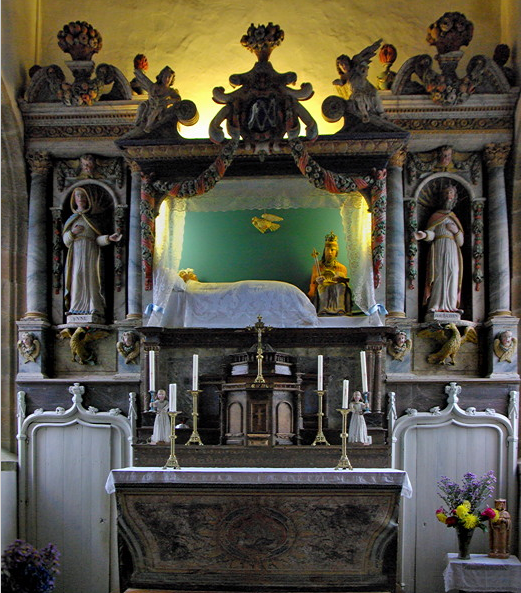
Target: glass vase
(464,537)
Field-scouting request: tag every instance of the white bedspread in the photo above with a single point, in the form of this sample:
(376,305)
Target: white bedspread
(238,304)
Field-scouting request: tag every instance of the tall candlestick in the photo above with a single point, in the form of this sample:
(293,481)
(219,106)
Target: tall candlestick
(345,394)
(363,364)
(320,381)
(195,372)
(172,398)
(152,370)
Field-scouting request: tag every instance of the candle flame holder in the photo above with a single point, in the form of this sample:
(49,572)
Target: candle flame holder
(344,462)
(172,462)
(320,439)
(194,439)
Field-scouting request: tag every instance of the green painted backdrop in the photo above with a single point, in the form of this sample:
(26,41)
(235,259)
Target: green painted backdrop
(225,246)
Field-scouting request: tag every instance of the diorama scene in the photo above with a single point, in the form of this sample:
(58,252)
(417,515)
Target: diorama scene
(260,294)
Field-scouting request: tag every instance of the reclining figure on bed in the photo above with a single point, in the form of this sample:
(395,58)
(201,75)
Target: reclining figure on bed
(234,304)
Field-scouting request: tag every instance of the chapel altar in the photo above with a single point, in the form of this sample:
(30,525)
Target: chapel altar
(151,259)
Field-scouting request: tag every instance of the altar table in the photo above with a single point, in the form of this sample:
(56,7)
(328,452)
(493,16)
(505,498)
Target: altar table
(483,574)
(262,530)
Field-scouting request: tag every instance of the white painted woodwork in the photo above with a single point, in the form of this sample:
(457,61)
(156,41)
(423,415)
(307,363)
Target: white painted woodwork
(447,442)
(65,458)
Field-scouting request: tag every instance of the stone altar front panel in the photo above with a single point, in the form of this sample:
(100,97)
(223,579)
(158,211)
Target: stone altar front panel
(299,530)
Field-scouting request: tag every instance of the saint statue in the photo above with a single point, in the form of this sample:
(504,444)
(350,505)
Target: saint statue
(329,287)
(83,290)
(445,262)
(499,531)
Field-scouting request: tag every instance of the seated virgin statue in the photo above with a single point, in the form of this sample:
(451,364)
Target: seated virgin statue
(329,287)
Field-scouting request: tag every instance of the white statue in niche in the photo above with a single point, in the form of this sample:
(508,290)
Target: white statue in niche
(445,262)
(357,426)
(161,432)
(83,290)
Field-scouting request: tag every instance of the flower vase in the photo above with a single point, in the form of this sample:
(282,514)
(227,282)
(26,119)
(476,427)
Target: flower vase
(464,537)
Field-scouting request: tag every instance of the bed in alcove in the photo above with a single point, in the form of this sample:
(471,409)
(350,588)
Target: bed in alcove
(243,273)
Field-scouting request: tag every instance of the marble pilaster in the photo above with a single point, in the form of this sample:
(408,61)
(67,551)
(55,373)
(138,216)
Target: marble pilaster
(498,257)
(40,165)
(34,347)
(134,301)
(395,285)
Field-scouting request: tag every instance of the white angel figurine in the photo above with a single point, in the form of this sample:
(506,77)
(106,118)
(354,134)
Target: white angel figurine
(358,427)
(161,431)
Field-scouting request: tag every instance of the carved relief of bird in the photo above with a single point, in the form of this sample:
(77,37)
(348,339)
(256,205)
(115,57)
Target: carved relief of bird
(451,340)
(80,338)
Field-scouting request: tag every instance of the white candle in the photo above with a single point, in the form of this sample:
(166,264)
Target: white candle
(151,370)
(345,394)
(363,364)
(172,397)
(320,386)
(195,373)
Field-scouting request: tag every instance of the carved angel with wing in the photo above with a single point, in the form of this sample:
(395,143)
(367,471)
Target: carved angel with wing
(353,85)
(450,339)
(505,346)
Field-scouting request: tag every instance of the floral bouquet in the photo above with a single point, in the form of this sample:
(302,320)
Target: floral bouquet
(28,570)
(464,501)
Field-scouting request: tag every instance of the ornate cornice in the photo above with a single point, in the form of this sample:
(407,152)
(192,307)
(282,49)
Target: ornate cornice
(496,154)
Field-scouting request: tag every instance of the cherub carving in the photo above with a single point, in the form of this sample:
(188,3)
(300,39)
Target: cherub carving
(128,347)
(28,347)
(451,341)
(80,338)
(398,346)
(353,85)
(505,346)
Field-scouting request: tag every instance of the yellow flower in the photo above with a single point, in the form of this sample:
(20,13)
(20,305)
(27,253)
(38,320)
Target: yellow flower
(467,504)
(462,511)
(470,521)
(496,518)
(442,517)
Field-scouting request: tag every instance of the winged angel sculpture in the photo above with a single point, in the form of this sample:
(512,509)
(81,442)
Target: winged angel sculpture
(451,341)
(353,85)
(263,109)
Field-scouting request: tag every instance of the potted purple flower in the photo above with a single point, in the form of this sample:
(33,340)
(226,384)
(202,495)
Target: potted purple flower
(28,570)
(465,506)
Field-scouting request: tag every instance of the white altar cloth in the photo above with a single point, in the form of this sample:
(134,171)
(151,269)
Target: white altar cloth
(482,573)
(256,475)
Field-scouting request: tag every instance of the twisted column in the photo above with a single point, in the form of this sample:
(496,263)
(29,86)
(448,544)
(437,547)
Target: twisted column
(40,165)
(395,283)
(498,243)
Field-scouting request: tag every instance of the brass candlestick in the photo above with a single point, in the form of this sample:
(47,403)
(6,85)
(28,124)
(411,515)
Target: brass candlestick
(344,462)
(194,439)
(320,439)
(172,462)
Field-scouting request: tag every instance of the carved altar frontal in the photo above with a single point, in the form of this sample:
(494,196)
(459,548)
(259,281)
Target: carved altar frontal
(277,530)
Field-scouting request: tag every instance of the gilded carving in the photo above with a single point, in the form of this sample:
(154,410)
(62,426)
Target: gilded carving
(39,162)
(89,166)
(451,341)
(80,339)
(496,154)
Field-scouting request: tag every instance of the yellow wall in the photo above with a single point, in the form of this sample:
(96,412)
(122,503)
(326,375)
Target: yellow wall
(200,39)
